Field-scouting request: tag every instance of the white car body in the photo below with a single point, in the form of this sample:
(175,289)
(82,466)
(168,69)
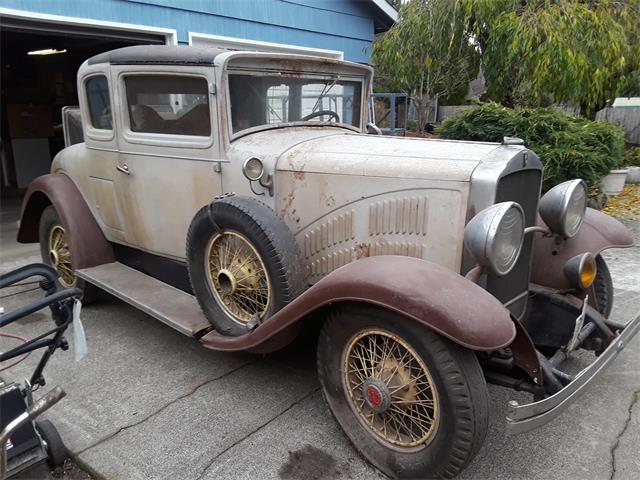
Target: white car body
(344,194)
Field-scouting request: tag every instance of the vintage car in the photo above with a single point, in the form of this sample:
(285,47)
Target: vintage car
(241,197)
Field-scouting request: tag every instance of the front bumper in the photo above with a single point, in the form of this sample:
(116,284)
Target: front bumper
(522,418)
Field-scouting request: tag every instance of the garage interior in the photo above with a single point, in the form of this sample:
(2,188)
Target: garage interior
(35,87)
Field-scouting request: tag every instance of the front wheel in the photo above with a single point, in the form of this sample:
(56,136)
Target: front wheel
(412,402)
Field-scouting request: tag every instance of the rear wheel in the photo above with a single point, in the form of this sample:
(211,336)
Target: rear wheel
(412,402)
(55,252)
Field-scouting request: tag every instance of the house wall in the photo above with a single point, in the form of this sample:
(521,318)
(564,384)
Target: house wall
(342,25)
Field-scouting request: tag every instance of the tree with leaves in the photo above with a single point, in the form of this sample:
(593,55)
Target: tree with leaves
(538,52)
(532,52)
(427,53)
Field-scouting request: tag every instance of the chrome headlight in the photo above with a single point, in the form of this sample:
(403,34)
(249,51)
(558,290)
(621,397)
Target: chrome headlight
(563,207)
(253,169)
(494,236)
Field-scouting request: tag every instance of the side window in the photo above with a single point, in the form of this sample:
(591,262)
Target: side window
(99,104)
(170,104)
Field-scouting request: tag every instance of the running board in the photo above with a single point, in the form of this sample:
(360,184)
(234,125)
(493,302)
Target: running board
(171,306)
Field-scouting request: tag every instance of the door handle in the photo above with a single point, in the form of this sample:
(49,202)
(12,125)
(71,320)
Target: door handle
(124,168)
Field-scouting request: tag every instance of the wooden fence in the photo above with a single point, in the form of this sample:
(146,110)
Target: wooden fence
(627,117)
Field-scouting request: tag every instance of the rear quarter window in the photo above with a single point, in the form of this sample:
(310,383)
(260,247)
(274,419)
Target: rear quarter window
(169,104)
(99,104)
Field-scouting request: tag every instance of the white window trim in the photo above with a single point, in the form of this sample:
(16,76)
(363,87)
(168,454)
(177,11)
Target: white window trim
(163,139)
(100,134)
(245,44)
(170,34)
(391,12)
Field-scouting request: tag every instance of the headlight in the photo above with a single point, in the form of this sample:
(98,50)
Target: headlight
(563,207)
(581,270)
(494,236)
(253,169)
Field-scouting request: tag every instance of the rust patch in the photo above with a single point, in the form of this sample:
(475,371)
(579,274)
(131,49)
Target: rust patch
(294,216)
(362,250)
(331,202)
(288,201)
(298,175)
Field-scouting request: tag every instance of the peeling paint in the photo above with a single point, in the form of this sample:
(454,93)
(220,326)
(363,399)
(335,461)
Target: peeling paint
(331,202)
(288,201)
(362,250)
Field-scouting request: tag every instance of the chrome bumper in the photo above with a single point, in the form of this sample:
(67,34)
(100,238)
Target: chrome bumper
(522,418)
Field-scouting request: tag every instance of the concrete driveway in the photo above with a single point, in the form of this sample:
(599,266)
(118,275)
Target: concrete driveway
(149,403)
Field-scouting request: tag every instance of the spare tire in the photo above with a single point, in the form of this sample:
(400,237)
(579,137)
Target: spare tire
(244,263)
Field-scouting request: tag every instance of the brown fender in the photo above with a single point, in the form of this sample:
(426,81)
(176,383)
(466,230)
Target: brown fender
(598,232)
(87,243)
(419,290)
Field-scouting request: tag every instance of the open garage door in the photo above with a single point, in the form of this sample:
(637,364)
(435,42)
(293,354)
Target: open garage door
(39,61)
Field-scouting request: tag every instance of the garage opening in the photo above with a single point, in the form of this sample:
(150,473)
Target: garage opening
(39,62)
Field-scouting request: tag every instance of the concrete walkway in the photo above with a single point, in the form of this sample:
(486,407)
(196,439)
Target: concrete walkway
(150,403)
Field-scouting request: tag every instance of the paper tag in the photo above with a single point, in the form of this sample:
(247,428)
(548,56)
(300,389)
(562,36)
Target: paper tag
(79,338)
(578,326)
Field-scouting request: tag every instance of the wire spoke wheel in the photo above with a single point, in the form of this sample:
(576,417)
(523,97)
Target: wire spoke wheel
(390,388)
(409,420)
(238,277)
(60,256)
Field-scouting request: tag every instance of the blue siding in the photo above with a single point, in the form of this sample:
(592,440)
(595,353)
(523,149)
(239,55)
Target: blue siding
(343,25)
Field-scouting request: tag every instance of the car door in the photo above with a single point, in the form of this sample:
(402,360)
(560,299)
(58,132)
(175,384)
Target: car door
(169,152)
(98,164)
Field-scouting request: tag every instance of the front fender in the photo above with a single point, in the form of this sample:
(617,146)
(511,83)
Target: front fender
(421,291)
(87,243)
(598,232)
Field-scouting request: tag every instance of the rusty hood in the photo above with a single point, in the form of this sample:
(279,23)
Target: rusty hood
(343,152)
(385,156)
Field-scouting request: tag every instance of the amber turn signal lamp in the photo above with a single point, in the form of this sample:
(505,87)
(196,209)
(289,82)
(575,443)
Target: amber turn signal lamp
(581,270)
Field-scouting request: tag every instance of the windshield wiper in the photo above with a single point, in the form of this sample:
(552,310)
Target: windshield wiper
(327,87)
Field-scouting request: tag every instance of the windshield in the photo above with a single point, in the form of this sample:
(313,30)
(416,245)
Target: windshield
(271,99)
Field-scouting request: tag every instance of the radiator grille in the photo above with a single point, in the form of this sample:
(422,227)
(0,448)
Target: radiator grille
(522,187)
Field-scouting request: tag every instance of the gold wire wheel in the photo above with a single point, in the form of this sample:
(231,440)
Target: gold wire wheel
(60,256)
(390,388)
(238,276)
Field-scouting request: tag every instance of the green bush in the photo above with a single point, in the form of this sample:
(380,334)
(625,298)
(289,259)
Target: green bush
(632,157)
(568,146)
(412,125)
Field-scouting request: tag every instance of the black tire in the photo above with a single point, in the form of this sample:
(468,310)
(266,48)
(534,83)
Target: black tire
(267,234)
(603,286)
(461,392)
(48,220)
(57,453)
